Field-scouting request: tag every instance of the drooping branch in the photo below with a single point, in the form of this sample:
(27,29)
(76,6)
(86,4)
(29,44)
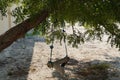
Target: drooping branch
(19,30)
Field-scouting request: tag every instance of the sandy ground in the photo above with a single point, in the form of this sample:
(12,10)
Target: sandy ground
(26,59)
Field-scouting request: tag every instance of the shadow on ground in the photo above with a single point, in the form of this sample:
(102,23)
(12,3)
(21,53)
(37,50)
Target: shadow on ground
(15,60)
(92,70)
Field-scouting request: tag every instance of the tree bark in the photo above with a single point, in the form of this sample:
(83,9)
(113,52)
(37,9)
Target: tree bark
(19,30)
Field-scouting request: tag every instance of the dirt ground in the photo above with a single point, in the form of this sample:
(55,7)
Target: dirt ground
(26,59)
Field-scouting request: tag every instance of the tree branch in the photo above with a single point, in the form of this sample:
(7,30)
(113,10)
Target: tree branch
(19,30)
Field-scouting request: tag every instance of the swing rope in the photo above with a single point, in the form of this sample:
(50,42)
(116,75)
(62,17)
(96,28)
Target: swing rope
(51,47)
(65,43)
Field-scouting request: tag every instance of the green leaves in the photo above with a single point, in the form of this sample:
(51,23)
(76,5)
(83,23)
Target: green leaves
(98,17)
(4,4)
(19,14)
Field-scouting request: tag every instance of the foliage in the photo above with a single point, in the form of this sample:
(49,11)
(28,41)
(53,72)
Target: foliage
(98,17)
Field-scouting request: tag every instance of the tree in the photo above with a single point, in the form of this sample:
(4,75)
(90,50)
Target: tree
(98,17)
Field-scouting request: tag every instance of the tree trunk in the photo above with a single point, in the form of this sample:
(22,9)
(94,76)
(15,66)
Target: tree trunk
(19,30)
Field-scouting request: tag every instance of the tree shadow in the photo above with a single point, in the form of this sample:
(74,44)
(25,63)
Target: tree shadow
(15,60)
(92,70)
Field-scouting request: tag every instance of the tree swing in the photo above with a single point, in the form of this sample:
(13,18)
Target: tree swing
(58,64)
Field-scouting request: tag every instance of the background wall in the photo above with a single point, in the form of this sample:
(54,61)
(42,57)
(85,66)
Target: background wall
(7,21)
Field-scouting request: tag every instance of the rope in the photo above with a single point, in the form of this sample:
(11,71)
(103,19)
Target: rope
(65,43)
(51,47)
(66,49)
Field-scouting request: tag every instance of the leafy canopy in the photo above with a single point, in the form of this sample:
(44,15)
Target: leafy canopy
(98,17)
